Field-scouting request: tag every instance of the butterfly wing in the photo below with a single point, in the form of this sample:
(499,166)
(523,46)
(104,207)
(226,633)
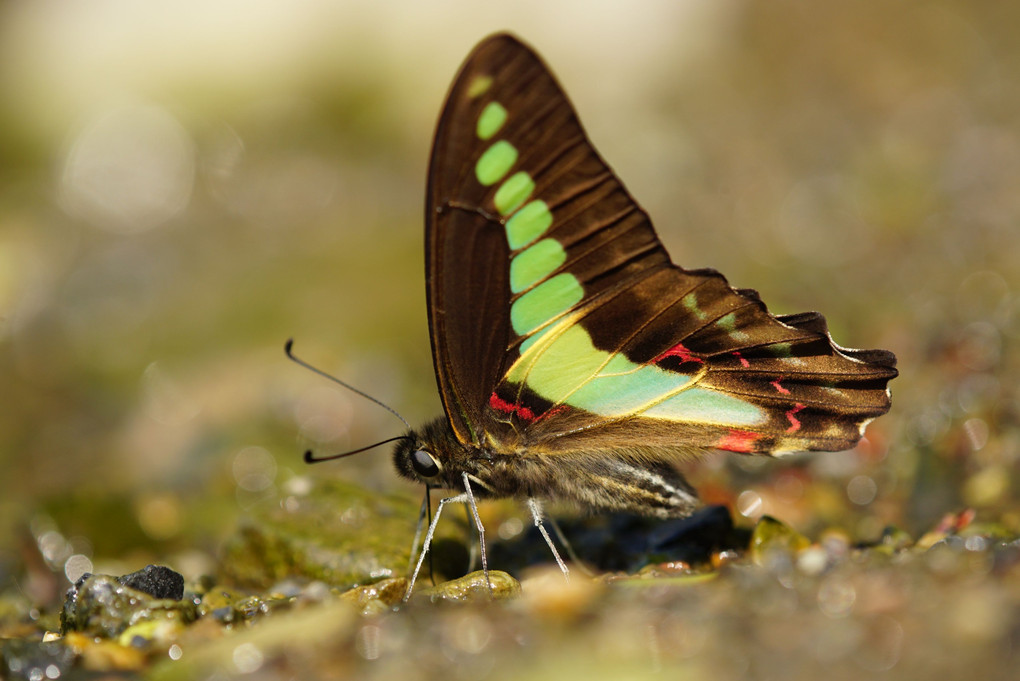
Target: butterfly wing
(558,321)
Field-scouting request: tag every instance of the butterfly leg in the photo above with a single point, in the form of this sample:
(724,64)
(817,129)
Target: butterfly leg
(470,501)
(473,545)
(536,512)
(460,498)
(418,531)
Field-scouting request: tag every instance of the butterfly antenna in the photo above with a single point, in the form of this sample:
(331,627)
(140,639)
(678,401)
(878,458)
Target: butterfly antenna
(311,458)
(289,347)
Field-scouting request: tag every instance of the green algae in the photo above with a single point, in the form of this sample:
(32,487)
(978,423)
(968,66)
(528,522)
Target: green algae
(337,533)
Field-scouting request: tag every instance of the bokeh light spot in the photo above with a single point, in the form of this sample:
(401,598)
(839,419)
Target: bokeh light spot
(129,169)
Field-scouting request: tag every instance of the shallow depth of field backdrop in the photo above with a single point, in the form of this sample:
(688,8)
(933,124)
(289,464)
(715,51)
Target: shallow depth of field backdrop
(183,187)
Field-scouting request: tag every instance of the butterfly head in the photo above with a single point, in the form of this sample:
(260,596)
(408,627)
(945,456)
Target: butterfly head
(414,460)
(430,455)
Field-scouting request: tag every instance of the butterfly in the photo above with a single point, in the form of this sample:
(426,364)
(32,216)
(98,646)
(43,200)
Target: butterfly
(575,361)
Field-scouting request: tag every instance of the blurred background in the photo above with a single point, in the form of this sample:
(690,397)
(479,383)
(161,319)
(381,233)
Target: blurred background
(184,186)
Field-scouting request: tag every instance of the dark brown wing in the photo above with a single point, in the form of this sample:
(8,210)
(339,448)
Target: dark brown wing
(558,320)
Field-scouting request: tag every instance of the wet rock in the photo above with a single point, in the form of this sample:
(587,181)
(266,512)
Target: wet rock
(336,533)
(232,607)
(101,606)
(772,538)
(378,597)
(472,587)
(99,654)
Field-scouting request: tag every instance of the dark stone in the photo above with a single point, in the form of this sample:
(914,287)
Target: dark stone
(695,538)
(157,581)
(627,542)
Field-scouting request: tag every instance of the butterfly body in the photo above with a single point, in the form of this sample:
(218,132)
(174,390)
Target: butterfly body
(574,359)
(632,480)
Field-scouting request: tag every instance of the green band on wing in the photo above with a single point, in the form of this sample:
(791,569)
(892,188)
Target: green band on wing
(512,193)
(491,119)
(527,224)
(569,369)
(535,263)
(544,302)
(708,406)
(495,163)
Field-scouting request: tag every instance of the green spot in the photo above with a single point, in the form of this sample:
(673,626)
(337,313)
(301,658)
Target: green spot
(512,193)
(495,163)
(547,300)
(535,264)
(491,120)
(690,303)
(780,349)
(729,324)
(479,86)
(528,224)
(570,369)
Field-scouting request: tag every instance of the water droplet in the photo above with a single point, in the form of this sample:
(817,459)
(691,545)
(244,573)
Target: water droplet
(977,433)
(750,504)
(836,597)
(254,469)
(76,566)
(367,642)
(861,490)
(248,658)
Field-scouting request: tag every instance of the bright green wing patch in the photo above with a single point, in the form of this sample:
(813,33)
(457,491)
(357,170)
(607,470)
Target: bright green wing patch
(512,193)
(495,163)
(527,224)
(546,301)
(566,368)
(491,119)
(535,264)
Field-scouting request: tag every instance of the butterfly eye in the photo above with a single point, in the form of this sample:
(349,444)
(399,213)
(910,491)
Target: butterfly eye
(424,464)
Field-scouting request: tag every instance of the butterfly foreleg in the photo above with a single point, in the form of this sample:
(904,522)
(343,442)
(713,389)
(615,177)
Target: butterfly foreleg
(460,498)
(536,512)
(420,526)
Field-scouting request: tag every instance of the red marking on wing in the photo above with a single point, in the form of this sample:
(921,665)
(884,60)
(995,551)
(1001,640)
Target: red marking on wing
(737,441)
(499,404)
(680,351)
(743,361)
(794,421)
(775,384)
(552,412)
